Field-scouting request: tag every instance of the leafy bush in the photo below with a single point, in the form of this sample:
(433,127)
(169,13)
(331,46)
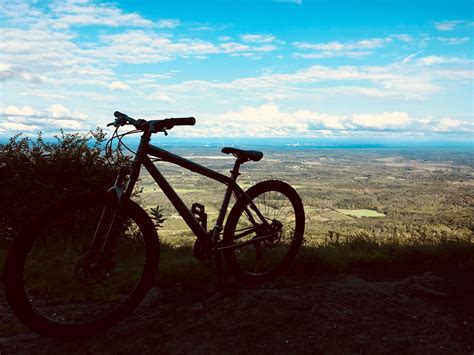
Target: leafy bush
(157,216)
(34,173)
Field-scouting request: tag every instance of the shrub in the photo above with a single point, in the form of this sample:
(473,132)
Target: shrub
(34,173)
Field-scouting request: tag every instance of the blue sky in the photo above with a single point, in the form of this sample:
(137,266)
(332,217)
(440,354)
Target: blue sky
(397,69)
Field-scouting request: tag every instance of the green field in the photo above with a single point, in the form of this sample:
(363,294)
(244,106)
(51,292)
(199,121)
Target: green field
(360,213)
(334,216)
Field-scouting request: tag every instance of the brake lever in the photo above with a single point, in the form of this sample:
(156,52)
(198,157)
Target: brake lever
(119,122)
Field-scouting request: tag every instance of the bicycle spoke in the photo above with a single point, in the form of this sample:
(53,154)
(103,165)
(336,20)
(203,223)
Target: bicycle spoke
(261,256)
(62,273)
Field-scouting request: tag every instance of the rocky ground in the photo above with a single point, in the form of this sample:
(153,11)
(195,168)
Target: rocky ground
(338,313)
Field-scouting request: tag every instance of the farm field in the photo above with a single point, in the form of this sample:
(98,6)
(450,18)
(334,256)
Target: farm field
(378,193)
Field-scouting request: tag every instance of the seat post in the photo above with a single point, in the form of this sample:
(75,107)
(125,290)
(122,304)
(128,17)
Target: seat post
(220,286)
(235,170)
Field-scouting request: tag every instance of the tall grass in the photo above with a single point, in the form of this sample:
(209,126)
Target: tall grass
(387,257)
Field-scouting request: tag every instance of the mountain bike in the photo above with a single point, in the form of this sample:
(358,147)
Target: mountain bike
(87,261)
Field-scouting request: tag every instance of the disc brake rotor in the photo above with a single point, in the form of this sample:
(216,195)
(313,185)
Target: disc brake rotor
(91,269)
(276,232)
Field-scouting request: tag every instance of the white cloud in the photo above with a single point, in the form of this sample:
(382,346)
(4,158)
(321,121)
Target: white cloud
(390,79)
(46,95)
(28,54)
(203,28)
(61,112)
(10,72)
(17,111)
(168,23)
(338,49)
(118,85)
(318,121)
(232,47)
(257,38)
(20,12)
(265,120)
(297,2)
(332,54)
(402,37)
(372,43)
(81,13)
(384,121)
(139,47)
(240,49)
(338,46)
(6,72)
(53,57)
(15,127)
(27,119)
(433,59)
(453,40)
(161,97)
(269,120)
(430,60)
(447,25)
(448,124)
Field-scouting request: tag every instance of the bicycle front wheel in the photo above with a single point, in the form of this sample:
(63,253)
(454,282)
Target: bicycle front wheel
(257,250)
(60,281)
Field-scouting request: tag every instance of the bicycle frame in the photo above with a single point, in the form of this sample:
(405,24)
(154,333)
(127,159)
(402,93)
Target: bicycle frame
(141,158)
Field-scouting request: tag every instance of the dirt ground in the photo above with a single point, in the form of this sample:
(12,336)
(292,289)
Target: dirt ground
(335,314)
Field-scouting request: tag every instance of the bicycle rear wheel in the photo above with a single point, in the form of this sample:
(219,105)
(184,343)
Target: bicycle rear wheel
(260,251)
(58,285)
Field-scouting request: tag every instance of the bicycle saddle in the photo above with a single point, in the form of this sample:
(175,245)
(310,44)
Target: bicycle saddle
(243,154)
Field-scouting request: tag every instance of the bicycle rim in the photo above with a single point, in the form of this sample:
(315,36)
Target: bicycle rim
(68,283)
(262,257)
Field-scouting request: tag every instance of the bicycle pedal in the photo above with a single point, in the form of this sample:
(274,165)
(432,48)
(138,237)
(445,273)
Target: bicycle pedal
(201,216)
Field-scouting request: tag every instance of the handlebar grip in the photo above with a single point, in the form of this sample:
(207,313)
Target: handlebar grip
(183,121)
(119,114)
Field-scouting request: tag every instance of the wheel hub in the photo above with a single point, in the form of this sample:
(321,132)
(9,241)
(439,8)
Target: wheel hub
(92,268)
(275,229)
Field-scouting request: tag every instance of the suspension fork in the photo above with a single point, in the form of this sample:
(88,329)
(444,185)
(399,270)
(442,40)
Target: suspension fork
(103,226)
(105,243)
(107,231)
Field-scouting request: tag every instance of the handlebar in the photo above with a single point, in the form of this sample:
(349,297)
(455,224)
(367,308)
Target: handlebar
(153,126)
